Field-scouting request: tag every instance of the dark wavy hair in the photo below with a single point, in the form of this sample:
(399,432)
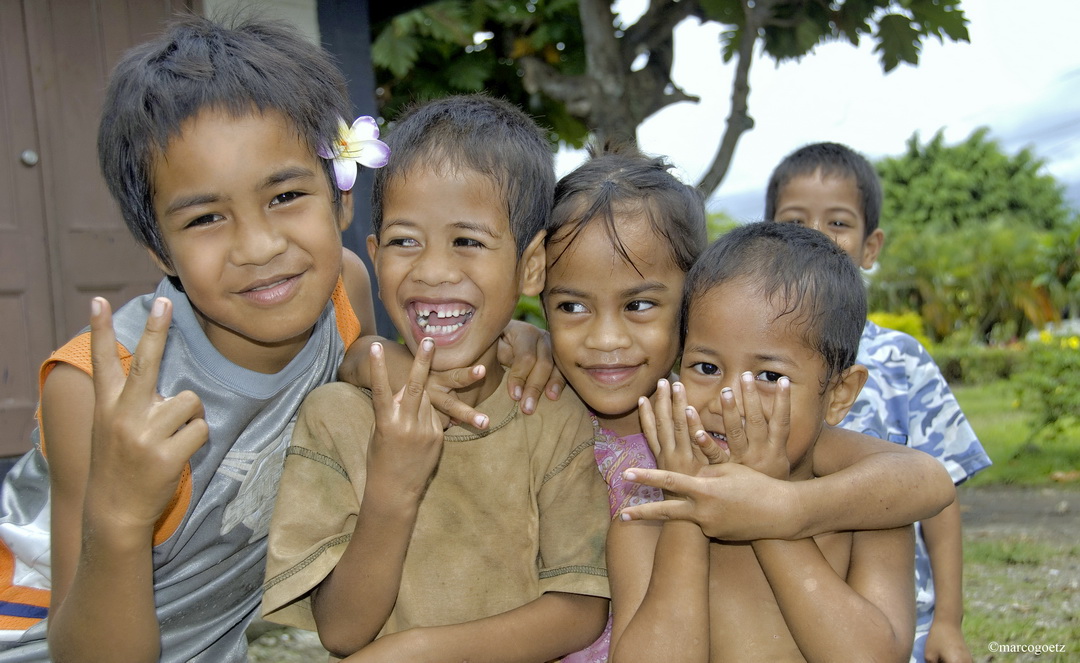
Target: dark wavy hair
(477,133)
(802,272)
(831,160)
(619,178)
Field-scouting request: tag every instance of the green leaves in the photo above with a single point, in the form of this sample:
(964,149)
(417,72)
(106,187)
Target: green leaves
(980,242)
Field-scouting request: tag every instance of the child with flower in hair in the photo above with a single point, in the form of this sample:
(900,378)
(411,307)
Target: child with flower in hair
(138,532)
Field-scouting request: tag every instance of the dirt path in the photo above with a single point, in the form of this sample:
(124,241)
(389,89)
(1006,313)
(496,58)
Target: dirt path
(1049,514)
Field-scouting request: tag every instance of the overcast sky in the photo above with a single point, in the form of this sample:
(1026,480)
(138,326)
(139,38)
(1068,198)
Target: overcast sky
(1020,75)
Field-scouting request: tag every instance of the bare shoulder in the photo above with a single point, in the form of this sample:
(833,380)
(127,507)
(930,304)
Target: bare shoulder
(67,409)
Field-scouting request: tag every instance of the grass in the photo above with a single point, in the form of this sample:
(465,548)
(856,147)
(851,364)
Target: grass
(1004,428)
(1015,592)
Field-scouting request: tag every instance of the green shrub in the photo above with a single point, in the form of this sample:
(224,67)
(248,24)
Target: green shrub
(978,364)
(1050,381)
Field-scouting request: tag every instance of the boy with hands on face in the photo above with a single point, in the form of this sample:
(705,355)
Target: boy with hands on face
(770,339)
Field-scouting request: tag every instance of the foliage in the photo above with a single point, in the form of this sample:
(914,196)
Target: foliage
(581,71)
(1005,428)
(1050,381)
(982,244)
(973,364)
(718,223)
(909,322)
(531,310)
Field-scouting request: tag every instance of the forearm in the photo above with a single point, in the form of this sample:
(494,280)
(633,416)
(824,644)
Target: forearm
(944,543)
(108,613)
(352,604)
(892,486)
(673,618)
(553,625)
(825,615)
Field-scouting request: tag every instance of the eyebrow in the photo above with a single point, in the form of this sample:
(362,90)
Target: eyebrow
(458,225)
(648,286)
(270,181)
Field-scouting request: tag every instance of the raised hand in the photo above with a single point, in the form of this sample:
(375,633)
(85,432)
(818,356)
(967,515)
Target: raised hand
(408,436)
(754,440)
(141,442)
(666,421)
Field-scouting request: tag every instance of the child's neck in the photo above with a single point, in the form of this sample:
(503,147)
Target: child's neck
(268,358)
(623,425)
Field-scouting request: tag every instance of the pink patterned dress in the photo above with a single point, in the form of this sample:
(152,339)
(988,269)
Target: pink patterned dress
(614,455)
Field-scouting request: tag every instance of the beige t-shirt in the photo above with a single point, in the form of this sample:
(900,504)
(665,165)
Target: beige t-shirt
(511,513)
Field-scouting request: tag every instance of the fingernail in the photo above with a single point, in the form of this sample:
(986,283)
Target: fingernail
(726,393)
(641,401)
(784,381)
(554,390)
(677,387)
(748,377)
(530,404)
(427,344)
(95,306)
(480,421)
(625,516)
(376,349)
(700,435)
(629,475)
(158,309)
(661,383)
(689,411)
(517,393)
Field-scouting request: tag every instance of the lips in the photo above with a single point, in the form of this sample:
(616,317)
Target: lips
(271,290)
(611,374)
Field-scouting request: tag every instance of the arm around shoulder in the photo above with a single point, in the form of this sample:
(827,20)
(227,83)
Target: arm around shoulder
(867,483)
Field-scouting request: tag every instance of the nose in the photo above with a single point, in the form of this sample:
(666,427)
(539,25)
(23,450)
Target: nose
(435,266)
(608,333)
(257,240)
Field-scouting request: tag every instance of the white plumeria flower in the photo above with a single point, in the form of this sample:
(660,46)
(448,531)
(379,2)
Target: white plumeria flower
(358,144)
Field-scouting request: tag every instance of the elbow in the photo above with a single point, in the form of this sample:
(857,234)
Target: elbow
(342,639)
(940,485)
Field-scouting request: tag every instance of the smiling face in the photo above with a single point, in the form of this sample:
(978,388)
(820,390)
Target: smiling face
(831,205)
(732,329)
(447,265)
(247,216)
(614,330)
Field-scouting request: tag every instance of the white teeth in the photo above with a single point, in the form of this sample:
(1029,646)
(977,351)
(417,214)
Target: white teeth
(437,329)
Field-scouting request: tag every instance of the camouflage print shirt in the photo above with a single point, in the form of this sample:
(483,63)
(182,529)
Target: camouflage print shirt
(906,400)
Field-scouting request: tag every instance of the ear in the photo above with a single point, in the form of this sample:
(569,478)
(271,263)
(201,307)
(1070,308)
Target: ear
(345,212)
(872,247)
(843,392)
(532,266)
(160,263)
(372,252)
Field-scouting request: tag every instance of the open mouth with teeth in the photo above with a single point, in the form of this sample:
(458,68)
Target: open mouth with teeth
(719,438)
(441,319)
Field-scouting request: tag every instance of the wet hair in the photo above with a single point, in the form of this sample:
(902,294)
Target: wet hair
(619,179)
(830,160)
(250,66)
(480,134)
(802,272)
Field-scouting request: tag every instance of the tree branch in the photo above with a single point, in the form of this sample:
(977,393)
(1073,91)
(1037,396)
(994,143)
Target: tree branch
(739,120)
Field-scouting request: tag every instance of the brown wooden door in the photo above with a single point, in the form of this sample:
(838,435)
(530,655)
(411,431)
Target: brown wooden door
(62,240)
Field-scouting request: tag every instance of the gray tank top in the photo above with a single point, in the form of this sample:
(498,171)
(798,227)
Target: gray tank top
(208,574)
